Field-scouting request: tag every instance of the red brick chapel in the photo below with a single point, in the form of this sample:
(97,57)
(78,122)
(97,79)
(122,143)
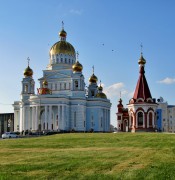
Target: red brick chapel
(141,112)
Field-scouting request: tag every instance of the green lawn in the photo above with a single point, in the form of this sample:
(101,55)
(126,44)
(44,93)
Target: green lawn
(89,156)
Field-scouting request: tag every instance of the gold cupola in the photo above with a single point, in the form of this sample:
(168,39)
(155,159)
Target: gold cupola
(28,72)
(93,78)
(100,94)
(62,46)
(141,60)
(45,83)
(62,33)
(77,67)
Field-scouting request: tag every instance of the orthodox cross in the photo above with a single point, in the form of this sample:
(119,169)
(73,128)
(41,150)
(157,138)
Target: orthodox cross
(28,59)
(62,25)
(77,55)
(93,69)
(141,48)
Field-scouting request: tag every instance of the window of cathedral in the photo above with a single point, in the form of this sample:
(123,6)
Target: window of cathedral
(92,93)
(69,61)
(57,60)
(64,85)
(76,85)
(50,86)
(66,60)
(61,60)
(140,118)
(26,88)
(84,123)
(69,85)
(55,86)
(101,122)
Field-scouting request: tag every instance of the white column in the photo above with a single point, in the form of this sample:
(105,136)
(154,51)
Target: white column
(21,119)
(148,120)
(63,117)
(58,117)
(45,117)
(29,119)
(153,120)
(36,118)
(143,120)
(33,118)
(50,117)
(136,120)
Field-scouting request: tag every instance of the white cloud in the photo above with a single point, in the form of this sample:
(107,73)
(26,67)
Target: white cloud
(76,12)
(167,81)
(114,90)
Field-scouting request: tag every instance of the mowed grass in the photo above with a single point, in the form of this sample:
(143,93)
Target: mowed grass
(89,156)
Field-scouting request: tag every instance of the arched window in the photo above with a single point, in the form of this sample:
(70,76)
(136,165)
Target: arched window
(150,119)
(26,88)
(76,84)
(140,118)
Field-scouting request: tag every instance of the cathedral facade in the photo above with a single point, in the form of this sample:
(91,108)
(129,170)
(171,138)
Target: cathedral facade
(62,102)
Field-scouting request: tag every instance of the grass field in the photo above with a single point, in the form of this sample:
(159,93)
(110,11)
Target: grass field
(89,156)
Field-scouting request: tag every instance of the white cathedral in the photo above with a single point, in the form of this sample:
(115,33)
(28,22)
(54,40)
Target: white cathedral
(62,103)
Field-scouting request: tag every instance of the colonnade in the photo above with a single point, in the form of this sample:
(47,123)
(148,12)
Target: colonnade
(44,117)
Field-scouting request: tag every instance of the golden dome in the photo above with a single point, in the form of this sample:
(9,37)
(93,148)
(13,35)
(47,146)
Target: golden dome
(45,83)
(62,33)
(141,60)
(77,67)
(28,71)
(100,88)
(93,79)
(101,95)
(62,47)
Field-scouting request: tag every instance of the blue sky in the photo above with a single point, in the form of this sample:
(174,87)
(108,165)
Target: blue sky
(30,28)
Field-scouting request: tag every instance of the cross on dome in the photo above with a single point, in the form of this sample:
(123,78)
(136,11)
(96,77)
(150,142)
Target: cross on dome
(77,56)
(141,48)
(93,69)
(62,25)
(28,59)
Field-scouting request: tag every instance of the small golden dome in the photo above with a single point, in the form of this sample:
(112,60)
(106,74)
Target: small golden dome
(45,83)
(28,72)
(62,33)
(93,79)
(100,88)
(101,95)
(62,47)
(77,67)
(141,60)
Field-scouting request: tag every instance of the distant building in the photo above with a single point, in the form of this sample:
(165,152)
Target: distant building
(141,112)
(165,116)
(62,103)
(6,122)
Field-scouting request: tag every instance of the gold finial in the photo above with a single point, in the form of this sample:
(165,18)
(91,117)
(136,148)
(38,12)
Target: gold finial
(62,25)
(100,82)
(28,59)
